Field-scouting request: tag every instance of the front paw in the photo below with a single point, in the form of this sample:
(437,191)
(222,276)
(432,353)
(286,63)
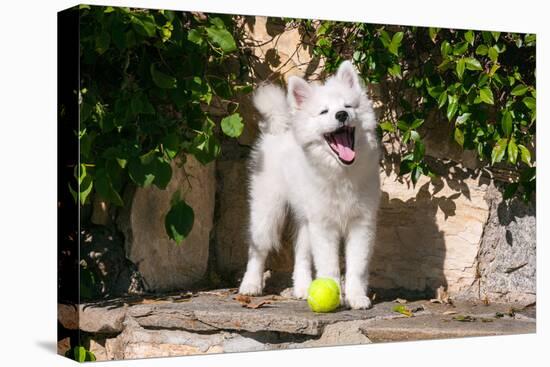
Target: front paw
(250,288)
(360,302)
(300,291)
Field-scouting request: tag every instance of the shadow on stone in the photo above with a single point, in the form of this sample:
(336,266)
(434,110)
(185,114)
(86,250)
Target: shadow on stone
(401,264)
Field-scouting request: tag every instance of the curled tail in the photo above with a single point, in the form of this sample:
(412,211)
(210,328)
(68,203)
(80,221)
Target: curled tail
(270,101)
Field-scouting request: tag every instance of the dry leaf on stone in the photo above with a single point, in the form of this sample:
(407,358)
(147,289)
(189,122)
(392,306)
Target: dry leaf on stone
(246,301)
(242,299)
(464,318)
(256,305)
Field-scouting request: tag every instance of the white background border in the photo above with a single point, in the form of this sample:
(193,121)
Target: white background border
(28,181)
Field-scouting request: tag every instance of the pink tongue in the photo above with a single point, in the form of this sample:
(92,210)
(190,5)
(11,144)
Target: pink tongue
(343,146)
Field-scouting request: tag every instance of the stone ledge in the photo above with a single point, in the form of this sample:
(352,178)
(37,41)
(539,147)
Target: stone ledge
(218,310)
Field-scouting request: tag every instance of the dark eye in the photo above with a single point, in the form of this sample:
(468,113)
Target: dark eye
(323,112)
(348,106)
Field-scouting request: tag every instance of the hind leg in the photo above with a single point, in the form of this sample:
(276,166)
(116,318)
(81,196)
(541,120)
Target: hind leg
(267,216)
(302,263)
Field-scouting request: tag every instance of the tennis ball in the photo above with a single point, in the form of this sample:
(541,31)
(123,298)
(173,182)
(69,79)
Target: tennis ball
(323,295)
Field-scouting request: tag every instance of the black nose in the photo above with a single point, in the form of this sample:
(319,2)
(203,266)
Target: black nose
(341,116)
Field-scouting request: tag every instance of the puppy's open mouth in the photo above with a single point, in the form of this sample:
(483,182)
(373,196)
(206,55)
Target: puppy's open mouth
(342,143)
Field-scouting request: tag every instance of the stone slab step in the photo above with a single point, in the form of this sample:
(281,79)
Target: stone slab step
(218,310)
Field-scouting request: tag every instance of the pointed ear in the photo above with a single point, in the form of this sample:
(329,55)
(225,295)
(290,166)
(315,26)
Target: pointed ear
(298,91)
(348,74)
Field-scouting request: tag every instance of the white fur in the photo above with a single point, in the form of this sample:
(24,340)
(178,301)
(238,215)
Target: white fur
(295,168)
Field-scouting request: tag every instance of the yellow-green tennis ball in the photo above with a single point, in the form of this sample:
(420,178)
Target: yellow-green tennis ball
(323,295)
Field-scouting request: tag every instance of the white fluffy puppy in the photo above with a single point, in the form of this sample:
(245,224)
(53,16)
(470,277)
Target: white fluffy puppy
(318,156)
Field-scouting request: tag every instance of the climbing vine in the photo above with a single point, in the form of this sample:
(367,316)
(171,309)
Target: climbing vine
(148,81)
(480,82)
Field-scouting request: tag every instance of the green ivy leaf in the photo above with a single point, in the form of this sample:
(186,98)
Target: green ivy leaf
(482,50)
(144,25)
(384,38)
(469,37)
(80,354)
(519,90)
(171,145)
(205,147)
(395,71)
(499,150)
(472,64)
(387,126)
(406,136)
(486,95)
(419,149)
(85,189)
(452,107)
(395,43)
(459,137)
(104,187)
(446,49)
(442,99)
(163,173)
(90,357)
(406,166)
(221,38)
(460,48)
(530,102)
(245,89)
(506,123)
(512,151)
(402,125)
(463,118)
(417,123)
(433,33)
(530,39)
(493,53)
(142,174)
(162,80)
(525,154)
(416,173)
(436,91)
(179,221)
(195,36)
(232,125)
(460,65)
